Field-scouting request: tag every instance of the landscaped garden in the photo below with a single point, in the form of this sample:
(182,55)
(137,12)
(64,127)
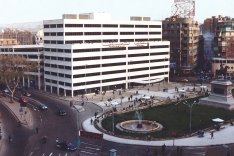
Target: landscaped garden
(174,117)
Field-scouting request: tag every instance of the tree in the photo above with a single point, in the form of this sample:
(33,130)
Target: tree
(12,69)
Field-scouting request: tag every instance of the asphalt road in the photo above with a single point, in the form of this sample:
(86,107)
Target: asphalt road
(66,128)
(18,134)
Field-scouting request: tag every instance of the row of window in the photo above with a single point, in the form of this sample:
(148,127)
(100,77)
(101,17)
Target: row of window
(53,42)
(21,49)
(60,82)
(99,33)
(105,57)
(99,41)
(105,80)
(223,61)
(99,65)
(101,25)
(109,49)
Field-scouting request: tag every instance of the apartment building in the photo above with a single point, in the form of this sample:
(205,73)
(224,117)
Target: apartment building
(86,53)
(22,37)
(32,53)
(8,42)
(183,34)
(211,24)
(224,48)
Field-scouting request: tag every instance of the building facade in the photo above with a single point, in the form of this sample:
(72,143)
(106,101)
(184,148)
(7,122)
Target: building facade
(90,52)
(224,50)
(8,42)
(183,34)
(23,37)
(33,53)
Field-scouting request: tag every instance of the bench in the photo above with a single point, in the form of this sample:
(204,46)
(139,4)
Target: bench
(200,134)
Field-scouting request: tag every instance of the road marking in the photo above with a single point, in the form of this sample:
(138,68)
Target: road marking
(97,149)
(59,154)
(51,154)
(66,154)
(31,154)
(43,154)
(88,152)
(89,144)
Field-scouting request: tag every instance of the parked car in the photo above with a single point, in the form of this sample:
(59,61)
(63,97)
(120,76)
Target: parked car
(25,93)
(64,145)
(5,92)
(43,107)
(61,112)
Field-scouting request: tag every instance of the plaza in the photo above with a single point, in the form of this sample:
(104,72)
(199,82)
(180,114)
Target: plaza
(223,136)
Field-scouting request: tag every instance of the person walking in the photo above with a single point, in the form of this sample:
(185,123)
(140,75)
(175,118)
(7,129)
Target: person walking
(212,134)
(10,139)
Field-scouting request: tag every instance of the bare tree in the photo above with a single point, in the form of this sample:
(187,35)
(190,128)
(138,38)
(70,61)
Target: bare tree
(12,69)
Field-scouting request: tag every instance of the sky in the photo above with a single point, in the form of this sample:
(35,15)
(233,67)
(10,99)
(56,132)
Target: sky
(17,11)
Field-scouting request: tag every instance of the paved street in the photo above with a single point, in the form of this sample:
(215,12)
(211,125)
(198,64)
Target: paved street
(137,148)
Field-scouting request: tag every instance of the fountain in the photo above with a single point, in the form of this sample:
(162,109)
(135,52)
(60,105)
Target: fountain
(139,116)
(139,125)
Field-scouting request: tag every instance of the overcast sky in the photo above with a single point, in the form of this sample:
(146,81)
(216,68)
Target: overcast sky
(16,11)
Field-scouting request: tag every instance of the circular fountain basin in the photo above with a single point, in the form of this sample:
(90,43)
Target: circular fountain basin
(136,126)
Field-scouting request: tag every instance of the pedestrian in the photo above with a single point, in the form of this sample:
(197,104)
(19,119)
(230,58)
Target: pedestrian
(91,121)
(212,134)
(163,149)
(148,89)
(10,139)
(95,114)
(37,130)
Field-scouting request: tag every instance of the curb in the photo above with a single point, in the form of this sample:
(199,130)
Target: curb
(12,113)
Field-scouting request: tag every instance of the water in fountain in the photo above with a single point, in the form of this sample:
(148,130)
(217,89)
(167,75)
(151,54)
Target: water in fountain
(139,116)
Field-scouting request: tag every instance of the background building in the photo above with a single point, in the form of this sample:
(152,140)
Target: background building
(8,42)
(183,34)
(90,52)
(23,37)
(32,53)
(224,49)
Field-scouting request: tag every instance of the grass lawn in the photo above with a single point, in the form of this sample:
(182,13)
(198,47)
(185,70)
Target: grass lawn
(174,118)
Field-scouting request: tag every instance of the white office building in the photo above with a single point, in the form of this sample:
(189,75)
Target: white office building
(86,53)
(33,53)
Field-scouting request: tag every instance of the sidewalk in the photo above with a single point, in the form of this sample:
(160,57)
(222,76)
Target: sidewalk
(224,136)
(22,115)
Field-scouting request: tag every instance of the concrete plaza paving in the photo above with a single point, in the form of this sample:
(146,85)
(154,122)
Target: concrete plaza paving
(223,136)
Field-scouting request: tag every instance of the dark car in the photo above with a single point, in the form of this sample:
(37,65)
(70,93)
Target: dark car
(64,145)
(62,112)
(43,107)
(27,94)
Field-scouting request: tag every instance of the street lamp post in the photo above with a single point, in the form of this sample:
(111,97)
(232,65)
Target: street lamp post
(190,105)
(113,121)
(85,78)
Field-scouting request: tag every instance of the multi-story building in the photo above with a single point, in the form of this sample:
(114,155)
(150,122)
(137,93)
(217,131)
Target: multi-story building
(211,24)
(33,53)
(8,42)
(183,34)
(90,52)
(224,51)
(23,37)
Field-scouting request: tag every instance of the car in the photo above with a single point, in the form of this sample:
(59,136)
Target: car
(185,80)
(61,112)
(26,94)
(64,145)
(23,101)
(43,107)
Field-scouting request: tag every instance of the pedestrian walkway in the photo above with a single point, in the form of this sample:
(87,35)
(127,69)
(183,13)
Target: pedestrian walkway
(22,115)
(224,136)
